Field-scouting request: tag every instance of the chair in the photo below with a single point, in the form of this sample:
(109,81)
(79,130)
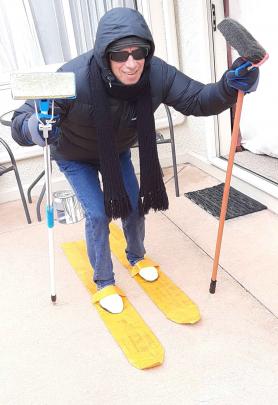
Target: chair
(159,140)
(7,168)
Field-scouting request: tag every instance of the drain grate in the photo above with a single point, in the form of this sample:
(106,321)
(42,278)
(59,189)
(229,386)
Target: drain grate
(210,199)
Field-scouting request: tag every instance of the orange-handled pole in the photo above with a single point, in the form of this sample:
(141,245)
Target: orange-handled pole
(226,191)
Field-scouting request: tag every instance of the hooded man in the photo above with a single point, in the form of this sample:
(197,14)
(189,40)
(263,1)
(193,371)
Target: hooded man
(119,85)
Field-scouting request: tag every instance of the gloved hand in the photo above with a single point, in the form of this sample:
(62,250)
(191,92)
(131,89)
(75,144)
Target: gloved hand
(37,135)
(240,78)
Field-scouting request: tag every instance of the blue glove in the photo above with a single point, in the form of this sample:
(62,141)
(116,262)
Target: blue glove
(37,135)
(242,79)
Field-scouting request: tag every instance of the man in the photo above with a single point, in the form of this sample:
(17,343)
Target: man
(119,86)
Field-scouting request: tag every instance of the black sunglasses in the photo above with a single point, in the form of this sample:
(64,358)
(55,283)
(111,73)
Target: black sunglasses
(122,56)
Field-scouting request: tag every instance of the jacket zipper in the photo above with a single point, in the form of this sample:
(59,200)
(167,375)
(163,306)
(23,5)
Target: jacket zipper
(109,80)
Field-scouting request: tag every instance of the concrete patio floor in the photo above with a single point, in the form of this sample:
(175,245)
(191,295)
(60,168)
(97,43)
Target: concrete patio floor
(63,355)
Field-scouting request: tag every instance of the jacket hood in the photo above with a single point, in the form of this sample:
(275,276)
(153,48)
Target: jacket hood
(118,23)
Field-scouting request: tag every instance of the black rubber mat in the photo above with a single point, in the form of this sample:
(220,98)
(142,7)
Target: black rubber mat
(210,199)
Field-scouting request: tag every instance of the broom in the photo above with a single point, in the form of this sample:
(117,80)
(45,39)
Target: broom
(254,54)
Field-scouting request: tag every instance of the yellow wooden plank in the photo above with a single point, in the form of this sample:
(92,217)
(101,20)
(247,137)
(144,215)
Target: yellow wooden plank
(135,338)
(168,297)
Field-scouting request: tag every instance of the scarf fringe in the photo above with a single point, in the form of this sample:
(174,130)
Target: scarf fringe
(120,208)
(158,201)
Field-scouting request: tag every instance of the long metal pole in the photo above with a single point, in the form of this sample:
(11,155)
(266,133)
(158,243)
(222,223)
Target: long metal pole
(49,211)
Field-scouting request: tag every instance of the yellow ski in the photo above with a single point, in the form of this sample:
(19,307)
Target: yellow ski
(135,338)
(166,295)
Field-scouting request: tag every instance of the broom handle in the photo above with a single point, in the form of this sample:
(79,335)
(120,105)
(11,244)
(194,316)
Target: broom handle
(226,191)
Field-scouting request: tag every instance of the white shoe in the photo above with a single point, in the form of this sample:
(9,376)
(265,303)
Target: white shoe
(112,303)
(149,273)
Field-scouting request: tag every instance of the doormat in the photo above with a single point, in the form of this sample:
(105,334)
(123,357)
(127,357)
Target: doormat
(210,199)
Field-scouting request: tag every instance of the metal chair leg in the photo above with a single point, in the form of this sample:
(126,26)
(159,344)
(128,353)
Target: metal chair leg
(22,195)
(33,185)
(38,208)
(173,149)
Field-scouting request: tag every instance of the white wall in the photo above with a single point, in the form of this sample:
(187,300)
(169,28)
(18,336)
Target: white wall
(191,20)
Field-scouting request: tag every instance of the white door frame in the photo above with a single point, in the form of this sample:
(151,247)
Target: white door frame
(247,182)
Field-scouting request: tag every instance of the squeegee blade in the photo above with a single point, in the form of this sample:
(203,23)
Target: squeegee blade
(43,85)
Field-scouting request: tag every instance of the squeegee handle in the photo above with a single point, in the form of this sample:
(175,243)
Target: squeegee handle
(47,163)
(50,216)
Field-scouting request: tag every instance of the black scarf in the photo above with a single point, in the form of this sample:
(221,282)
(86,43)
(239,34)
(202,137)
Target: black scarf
(152,189)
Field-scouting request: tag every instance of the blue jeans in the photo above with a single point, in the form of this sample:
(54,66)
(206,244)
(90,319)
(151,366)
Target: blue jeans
(84,180)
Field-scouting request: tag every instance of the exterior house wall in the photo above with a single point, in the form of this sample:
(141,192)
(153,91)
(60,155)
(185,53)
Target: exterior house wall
(191,22)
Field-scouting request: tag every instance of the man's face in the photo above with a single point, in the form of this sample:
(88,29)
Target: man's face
(130,71)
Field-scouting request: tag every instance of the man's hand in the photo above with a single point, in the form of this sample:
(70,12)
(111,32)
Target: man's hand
(37,135)
(240,78)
